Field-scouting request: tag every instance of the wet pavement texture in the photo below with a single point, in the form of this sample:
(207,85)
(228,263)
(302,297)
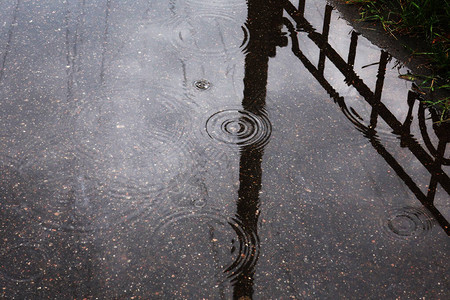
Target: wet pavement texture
(218,149)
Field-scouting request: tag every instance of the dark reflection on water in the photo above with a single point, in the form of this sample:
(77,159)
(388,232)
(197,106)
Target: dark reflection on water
(168,150)
(264,23)
(433,163)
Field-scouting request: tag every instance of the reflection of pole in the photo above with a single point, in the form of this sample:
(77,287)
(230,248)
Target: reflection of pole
(248,212)
(264,19)
(264,24)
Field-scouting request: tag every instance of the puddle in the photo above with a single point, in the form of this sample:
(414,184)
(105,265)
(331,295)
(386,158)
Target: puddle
(213,149)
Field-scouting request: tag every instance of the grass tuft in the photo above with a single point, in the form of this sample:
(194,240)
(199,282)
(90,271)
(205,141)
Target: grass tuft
(426,19)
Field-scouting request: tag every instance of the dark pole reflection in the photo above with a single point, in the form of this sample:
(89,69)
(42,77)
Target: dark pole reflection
(264,23)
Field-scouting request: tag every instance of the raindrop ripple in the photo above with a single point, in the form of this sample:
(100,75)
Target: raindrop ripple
(23,263)
(239,127)
(407,223)
(122,128)
(239,247)
(209,34)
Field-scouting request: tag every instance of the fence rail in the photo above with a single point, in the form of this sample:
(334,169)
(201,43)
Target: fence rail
(432,160)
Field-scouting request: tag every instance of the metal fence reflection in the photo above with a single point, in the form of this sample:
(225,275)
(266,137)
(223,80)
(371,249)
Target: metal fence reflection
(432,160)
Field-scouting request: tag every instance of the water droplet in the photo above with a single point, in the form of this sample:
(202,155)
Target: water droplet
(202,84)
(199,203)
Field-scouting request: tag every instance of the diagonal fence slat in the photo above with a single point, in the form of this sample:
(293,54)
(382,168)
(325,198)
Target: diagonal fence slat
(433,166)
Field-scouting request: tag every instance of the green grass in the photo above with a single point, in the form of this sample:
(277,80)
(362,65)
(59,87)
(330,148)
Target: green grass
(428,20)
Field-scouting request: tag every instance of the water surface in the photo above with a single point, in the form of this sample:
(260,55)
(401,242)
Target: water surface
(213,149)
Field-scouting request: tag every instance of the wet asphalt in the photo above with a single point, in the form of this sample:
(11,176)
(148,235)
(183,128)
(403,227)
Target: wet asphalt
(195,149)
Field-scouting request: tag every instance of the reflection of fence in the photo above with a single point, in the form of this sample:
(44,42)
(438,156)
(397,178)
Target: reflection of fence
(433,163)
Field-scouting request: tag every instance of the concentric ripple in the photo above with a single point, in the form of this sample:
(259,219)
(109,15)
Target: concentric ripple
(90,194)
(210,34)
(217,4)
(207,238)
(120,127)
(12,185)
(407,223)
(382,132)
(49,196)
(111,192)
(101,204)
(23,263)
(48,160)
(239,127)
(9,176)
